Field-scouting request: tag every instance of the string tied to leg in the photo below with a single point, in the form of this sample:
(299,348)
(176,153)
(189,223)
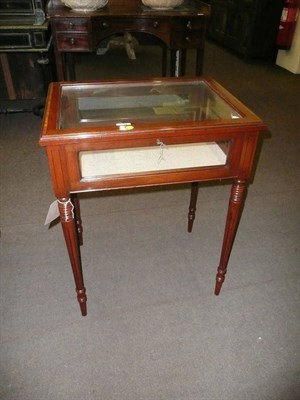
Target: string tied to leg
(66,208)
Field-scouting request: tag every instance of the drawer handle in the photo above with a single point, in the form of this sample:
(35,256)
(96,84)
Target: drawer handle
(187,39)
(155,24)
(189,25)
(105,24)
(72,41)
(71,25)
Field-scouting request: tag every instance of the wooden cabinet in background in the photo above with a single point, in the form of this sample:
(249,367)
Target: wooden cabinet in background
(248,27)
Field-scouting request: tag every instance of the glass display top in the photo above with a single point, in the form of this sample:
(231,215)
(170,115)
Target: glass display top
(125,104)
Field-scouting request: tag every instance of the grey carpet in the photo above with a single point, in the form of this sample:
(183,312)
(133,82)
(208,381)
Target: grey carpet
(154,329)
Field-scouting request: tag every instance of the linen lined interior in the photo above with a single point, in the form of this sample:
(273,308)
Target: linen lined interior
(154,158)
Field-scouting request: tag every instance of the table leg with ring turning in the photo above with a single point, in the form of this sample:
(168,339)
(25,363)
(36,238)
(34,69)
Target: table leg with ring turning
(236,202)
(66,211)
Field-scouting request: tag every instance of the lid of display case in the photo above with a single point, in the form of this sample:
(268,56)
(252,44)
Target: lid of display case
(129,103)
(81,111)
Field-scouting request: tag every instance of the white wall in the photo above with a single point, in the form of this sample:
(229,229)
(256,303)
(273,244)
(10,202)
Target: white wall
(290,59)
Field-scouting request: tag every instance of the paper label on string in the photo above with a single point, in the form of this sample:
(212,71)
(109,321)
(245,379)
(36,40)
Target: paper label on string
(53,213)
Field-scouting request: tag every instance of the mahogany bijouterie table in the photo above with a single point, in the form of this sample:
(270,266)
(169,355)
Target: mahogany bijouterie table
(123,134)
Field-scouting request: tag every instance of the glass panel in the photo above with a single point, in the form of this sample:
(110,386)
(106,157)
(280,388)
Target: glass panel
(11,40)
(162,157)
(113,104)
(18,6)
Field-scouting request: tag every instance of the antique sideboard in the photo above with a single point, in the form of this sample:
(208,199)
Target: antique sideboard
(176,30)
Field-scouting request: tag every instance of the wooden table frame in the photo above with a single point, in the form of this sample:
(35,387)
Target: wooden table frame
(177,30)
(63,146)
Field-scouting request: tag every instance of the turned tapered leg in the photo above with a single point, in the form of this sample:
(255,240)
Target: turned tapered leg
(77,216)
(235,207)
(193,204)
(199,62)
(66,210)
(164,60)
(177,62)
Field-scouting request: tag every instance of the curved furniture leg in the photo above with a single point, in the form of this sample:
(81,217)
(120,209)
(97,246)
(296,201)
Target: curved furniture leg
(192,207)
(70,233)
(235,207)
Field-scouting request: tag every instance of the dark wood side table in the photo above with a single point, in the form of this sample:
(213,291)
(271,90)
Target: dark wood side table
(178,30)
(122,134)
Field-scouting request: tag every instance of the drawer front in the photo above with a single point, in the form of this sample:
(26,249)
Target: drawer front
(73,42)
(187,40)
(105,27)
(191,24)
(71,25)
(130,24)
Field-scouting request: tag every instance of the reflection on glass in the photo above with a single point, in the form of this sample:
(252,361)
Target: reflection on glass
(161,157)
(110,104)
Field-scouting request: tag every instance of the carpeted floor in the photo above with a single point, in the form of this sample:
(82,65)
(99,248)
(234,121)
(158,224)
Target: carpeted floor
(155,330)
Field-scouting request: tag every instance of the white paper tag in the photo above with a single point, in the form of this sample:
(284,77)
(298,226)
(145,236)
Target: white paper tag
(53,213)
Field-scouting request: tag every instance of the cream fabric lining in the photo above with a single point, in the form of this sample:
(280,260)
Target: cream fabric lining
(156,158)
